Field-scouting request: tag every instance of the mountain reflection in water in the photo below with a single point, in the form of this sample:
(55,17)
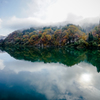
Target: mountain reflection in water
(65,56)
(44,74)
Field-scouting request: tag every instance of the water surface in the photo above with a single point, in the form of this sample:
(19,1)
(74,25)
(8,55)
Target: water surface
(49,74)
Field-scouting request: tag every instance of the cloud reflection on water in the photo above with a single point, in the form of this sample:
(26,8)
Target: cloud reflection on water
(58,81)
(1,65)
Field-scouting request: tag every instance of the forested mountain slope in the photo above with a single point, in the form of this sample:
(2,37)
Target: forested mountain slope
(46,36)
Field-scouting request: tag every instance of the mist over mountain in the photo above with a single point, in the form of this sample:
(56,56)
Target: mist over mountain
(2,37)
(88,27)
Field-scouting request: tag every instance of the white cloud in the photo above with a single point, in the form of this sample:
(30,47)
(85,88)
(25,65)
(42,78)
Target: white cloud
(20,23)
(0,22)
(57,81)
(37,8)
(15,23)
(30,67)
(1,65)
(53,12)
(90,20)
(58,10)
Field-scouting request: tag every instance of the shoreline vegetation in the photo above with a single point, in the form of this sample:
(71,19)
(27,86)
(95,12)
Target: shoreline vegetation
(69,36)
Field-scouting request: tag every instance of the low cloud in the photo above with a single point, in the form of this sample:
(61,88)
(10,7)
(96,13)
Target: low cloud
(20,23)
(79,20)
(15,23)
(74,18)
(92,20)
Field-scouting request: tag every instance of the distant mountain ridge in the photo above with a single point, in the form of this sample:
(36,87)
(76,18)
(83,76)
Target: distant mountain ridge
(2,37)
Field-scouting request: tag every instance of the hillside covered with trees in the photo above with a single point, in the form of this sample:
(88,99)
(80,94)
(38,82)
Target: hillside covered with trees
(69,35)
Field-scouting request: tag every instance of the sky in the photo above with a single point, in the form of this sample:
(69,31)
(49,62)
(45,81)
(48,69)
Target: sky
(21,14)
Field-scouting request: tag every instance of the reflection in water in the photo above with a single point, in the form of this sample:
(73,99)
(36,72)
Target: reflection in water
(86,77)
(46,55)
(34,80)
(1,64)
(62,55)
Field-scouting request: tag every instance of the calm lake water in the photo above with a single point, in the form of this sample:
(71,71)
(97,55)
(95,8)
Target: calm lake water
(49,74)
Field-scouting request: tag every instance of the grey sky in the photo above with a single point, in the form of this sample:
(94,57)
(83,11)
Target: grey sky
(18,14)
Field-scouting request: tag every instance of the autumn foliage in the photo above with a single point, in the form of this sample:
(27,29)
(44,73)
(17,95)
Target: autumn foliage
(46,36)
(55,36)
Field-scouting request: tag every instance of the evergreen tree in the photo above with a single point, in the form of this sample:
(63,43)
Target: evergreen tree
(90,37)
